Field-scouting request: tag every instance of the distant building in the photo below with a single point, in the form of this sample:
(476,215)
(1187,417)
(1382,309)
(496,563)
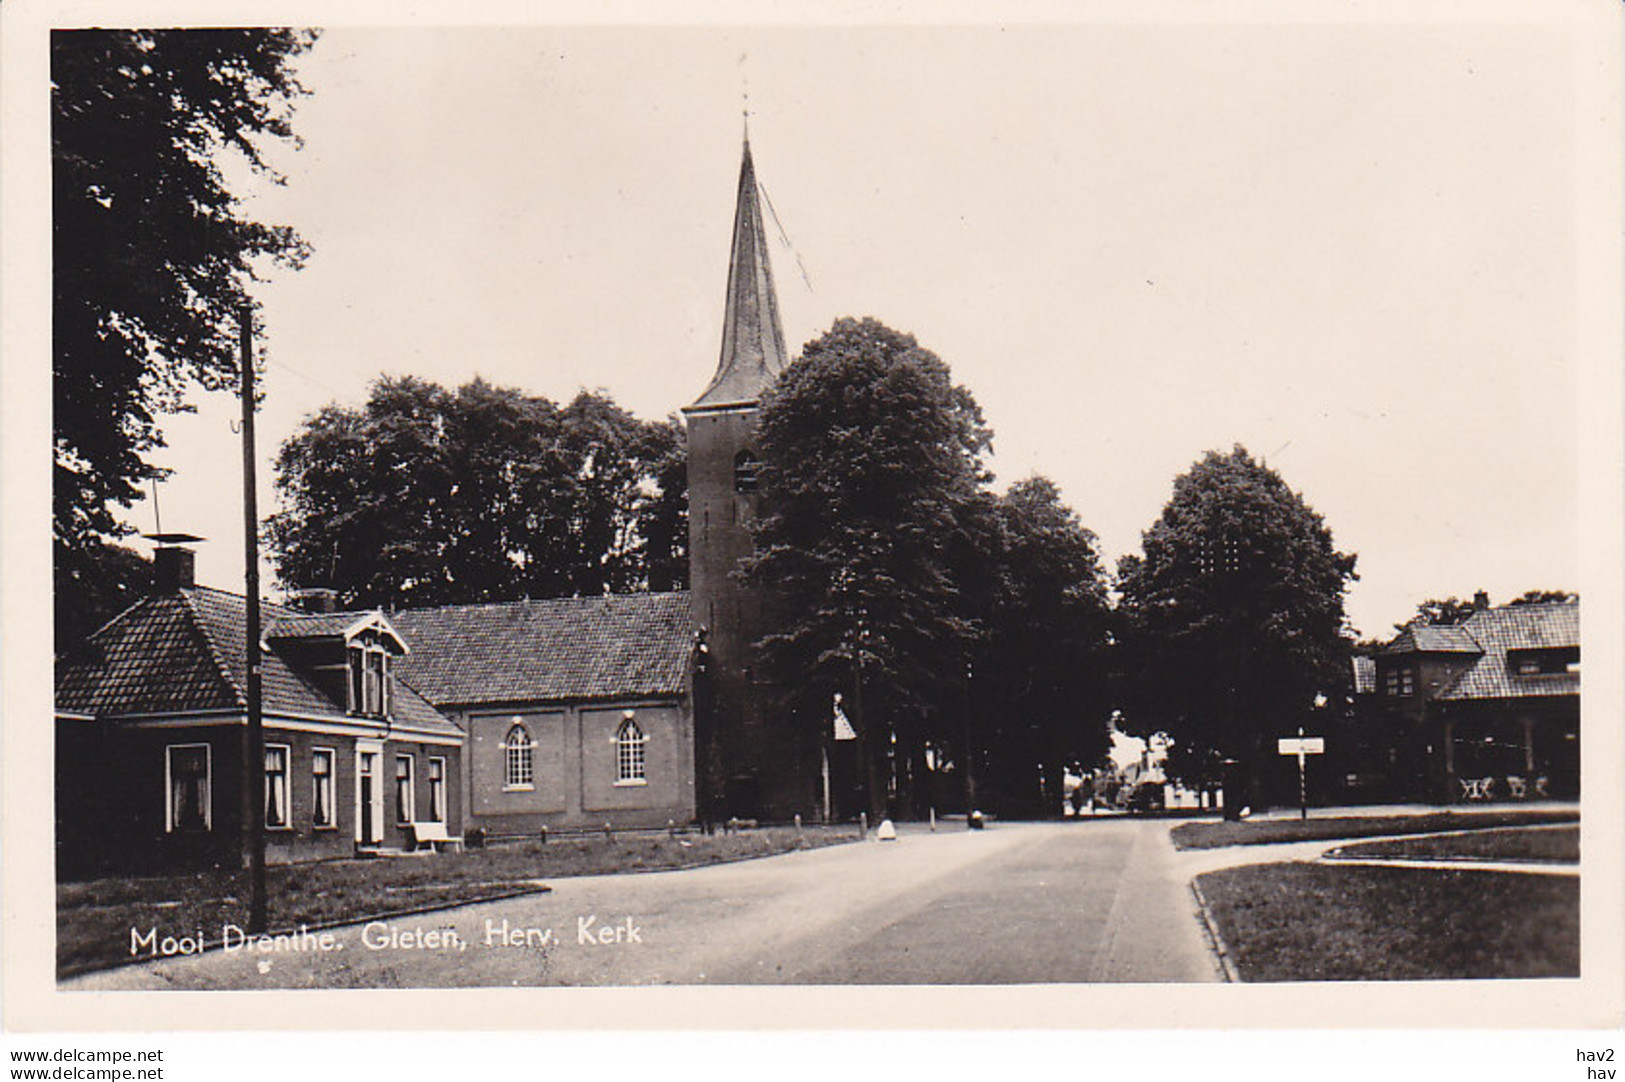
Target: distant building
(1488,708)
(151,714)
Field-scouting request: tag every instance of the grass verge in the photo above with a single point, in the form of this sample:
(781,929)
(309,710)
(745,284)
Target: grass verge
(95,918)
(1212,835)
(1547,845)
(1314,922)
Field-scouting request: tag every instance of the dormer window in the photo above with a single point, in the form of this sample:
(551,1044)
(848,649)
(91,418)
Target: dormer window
(1544,661)
(369,680)
(344,654)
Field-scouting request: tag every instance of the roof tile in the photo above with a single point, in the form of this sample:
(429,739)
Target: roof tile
(615,646)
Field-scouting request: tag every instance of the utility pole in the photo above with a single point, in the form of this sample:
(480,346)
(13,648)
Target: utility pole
(967,756)
(254,738)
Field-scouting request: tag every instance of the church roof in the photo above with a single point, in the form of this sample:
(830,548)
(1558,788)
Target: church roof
(610,647)
(753,351)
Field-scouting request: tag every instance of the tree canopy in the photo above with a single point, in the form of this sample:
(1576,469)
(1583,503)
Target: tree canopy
(425,496)
(871,463)
(1232,616)
(151,251)
(1042,692)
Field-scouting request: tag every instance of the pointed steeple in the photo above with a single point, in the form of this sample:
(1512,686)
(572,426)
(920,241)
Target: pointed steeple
(752,340)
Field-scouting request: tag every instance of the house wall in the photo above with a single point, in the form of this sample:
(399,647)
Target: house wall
(395,833)
(574,766)
(112,792)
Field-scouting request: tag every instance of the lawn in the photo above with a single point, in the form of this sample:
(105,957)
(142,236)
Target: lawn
(1545,845)
(1315,922)
(1266,831)
(95,918)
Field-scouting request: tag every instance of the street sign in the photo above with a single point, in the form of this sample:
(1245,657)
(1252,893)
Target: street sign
(1302,746)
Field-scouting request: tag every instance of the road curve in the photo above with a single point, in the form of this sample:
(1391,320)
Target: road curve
(1074,902)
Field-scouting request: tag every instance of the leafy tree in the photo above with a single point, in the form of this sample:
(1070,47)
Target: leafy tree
(871,466)
(1232,617)
(102,580)
(1443,612)
(1542,597)
(1041,691)
(151,253)
(425,497)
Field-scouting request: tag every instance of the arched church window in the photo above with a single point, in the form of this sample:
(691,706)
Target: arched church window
(519,756)
(745,469)
(629,742)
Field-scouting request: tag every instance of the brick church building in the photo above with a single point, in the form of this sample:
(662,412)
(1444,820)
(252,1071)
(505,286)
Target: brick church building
(511,717)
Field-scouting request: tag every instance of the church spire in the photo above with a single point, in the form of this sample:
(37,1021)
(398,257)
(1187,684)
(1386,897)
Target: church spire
(752,340)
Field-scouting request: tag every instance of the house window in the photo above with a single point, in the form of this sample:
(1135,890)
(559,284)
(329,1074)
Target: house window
(187,767)
(404,804)
(437,790)
(369,681)
(629,742)
(276,786)
(518,754)
(746,466)
(1400,681)
(321,787)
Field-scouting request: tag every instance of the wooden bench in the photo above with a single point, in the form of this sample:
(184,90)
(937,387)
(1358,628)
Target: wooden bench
(434,836)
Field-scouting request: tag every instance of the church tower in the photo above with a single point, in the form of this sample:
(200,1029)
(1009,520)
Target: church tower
(742,766)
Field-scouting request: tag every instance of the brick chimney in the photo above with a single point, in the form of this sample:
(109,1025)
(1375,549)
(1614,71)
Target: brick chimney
(173,568)
(1481,601)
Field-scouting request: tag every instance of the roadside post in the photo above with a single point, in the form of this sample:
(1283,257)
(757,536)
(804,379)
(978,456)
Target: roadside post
(1302,746)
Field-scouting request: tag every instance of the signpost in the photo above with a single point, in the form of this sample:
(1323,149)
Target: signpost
(1302,746)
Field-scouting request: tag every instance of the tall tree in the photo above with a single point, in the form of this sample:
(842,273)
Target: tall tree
(1041,692)
(871,459)
(425,496)
(1232,617)
(151,251)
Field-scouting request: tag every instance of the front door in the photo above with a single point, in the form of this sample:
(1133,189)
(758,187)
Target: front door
(369,794)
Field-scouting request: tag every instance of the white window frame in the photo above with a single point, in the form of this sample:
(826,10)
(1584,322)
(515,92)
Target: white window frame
(286,795)
(169,786)
(437,788)
(631,761)
(367,679)
(405,808)
(324,789)
(518,774)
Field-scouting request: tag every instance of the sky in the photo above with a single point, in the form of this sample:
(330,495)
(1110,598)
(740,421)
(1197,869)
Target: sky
(1349,247)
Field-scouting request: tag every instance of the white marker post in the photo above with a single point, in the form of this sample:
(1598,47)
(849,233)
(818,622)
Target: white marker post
(1302,746)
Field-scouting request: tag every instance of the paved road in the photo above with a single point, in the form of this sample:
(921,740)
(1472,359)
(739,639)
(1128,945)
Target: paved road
(1066,902)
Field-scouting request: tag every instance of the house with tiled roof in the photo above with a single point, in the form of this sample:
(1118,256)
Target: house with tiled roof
(1488,708)
(151,716)
(578,711)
